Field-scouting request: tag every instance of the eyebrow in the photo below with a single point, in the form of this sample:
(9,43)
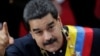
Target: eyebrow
(50,23)
(47,25)
(35,29)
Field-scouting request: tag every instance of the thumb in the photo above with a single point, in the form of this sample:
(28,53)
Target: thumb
(5,27)
(11,40)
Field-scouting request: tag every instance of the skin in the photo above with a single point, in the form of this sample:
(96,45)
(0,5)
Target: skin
(44,29)
(5,38)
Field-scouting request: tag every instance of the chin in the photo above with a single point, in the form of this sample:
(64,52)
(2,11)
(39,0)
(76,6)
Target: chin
(52,49)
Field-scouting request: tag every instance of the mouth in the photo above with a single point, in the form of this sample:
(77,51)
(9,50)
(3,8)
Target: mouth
(50,42)
(50,45)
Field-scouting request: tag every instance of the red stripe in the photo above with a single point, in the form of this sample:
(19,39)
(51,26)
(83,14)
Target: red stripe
(87,41)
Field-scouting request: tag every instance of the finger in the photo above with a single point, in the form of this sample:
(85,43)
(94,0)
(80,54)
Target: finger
(5,28)
(11,40)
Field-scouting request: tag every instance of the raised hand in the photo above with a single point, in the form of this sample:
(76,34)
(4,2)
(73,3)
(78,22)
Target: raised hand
(5,38)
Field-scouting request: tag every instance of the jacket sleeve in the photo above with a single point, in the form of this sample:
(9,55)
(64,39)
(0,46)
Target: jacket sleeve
(12,51)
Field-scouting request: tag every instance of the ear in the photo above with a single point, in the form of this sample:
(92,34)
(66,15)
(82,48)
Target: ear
(31,34)
(60,21)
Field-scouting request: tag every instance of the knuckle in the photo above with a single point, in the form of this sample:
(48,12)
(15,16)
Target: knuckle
(3,43)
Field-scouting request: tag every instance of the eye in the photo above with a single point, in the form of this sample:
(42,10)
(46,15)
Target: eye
(50,27)
(38,32)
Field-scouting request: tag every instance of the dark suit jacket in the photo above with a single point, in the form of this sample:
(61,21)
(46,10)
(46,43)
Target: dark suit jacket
(26,46)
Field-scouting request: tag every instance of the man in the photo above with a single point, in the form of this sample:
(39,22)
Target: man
(46,35)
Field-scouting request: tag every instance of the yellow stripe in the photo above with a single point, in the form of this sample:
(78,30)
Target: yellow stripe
(71,41)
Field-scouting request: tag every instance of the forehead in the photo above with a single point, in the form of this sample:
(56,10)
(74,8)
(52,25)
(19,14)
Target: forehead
(40,23)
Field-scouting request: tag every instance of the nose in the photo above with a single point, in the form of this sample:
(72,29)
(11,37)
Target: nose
(47,35)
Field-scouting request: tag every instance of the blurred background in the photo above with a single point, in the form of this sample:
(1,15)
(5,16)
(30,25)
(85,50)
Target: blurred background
(72,12)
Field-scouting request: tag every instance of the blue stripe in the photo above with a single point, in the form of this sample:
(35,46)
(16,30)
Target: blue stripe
(80,39)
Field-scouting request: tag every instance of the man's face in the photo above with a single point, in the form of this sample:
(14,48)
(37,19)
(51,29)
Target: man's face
(47,33)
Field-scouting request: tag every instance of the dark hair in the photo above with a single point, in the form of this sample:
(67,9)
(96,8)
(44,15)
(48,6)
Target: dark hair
(37,9)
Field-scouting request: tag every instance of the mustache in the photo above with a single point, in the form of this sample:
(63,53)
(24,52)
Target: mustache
(50,41)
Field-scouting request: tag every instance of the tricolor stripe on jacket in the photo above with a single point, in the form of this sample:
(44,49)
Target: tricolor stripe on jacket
(84,41)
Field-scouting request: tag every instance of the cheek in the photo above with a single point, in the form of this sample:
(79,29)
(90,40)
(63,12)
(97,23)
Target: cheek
(57,33)
(57,30)
(39,41)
